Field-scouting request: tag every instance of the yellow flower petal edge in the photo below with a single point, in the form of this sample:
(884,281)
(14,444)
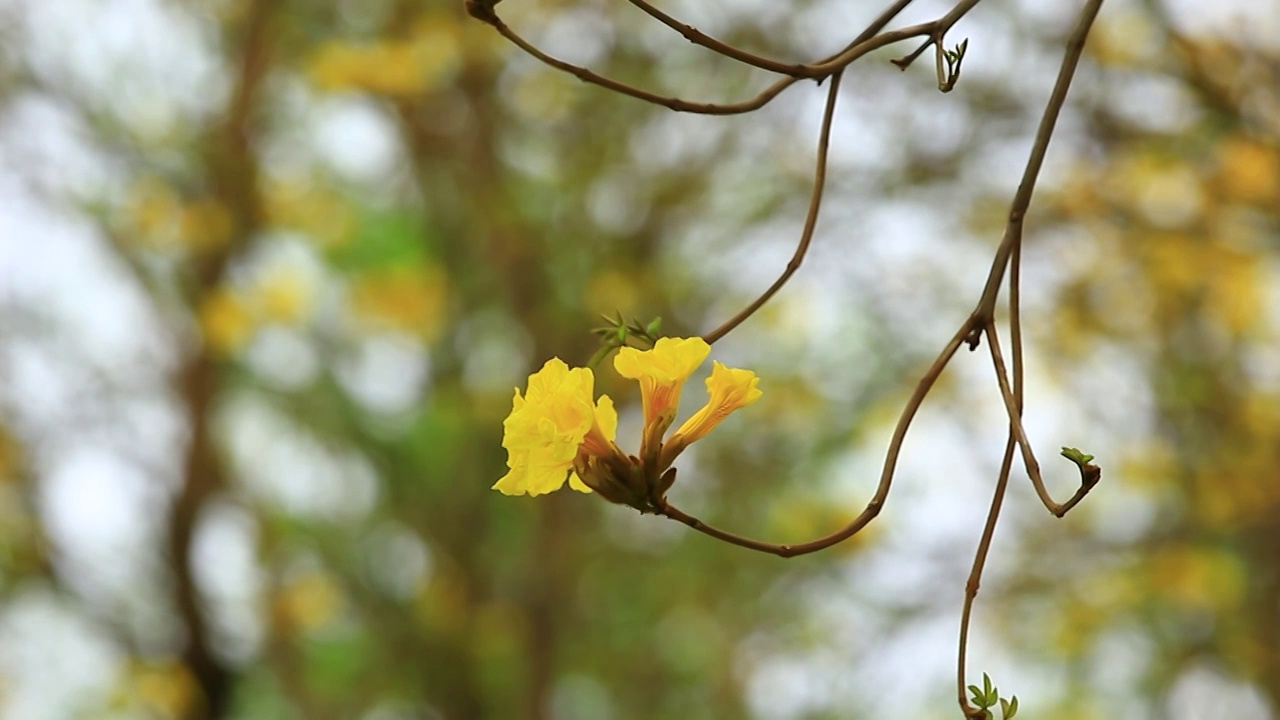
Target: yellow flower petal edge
(729,389)
(599,440)
(662,372)
(550,425)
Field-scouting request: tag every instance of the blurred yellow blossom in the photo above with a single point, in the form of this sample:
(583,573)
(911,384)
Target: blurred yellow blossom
(309,602)
(1250,171)
(225,321)
(409,297)
(323,216)
(411,66)
(205,225)
(161,219)
(166,689)
(284,295)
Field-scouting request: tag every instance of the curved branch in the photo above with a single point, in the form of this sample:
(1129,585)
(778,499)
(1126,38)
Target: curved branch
(671,103)
(791,69)
(1089,474)
(975,573)
(875,505)
(862,46)
(810,220)
(864,43)
(1035,161)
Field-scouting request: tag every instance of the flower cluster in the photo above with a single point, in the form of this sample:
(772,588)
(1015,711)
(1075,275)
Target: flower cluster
(558,431)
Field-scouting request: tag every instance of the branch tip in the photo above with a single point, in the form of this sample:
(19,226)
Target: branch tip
(483,11)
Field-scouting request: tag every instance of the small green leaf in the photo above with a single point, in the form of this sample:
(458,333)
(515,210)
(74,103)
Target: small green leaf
(986,685)
(653,327)
(979,699)
(1076,456)
(1013,708)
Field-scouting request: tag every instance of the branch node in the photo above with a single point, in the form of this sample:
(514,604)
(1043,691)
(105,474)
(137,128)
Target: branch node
(974,338)
(905,61)
(483,11)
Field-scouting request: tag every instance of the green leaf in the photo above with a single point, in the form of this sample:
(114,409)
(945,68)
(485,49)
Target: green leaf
(1013,708)
(653,327)
(1075,456)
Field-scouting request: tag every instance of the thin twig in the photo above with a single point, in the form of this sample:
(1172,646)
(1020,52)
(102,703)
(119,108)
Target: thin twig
(975,573)
(866,42)
(1027,186)
(1002,481)
(1089,474)
(810,220)
(697,37)
(802,247)
(671,103)
(1011,242)
(933,29)
(1011,252)
(875,505)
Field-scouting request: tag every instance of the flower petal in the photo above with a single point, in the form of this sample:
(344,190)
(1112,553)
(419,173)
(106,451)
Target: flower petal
(670,360)
(729,389)
(662,372)
(576,483)
(607,417)
(546,428)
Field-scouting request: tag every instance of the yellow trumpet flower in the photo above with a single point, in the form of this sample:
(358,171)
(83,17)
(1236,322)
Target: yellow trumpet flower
(556,432)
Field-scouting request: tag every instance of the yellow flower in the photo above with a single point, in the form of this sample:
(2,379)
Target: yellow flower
(552,428)
(226,321)
(729,389)
(555,431)
(661,372)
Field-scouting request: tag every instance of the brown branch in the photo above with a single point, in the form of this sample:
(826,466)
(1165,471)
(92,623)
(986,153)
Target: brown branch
(810,220)
(1039,147)
(1089,474)
(875,505)
(1002,483)
(866,42)
(671,103)
(1010,252)
(697,37)
(203,477)
(802,247)
(933,29)
(1013,239)
(975,574)
(233,171)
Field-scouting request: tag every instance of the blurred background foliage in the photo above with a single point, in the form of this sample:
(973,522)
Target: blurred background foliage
(269,270)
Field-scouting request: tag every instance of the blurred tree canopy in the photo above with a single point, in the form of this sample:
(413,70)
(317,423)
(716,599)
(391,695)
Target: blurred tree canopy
(269,271)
